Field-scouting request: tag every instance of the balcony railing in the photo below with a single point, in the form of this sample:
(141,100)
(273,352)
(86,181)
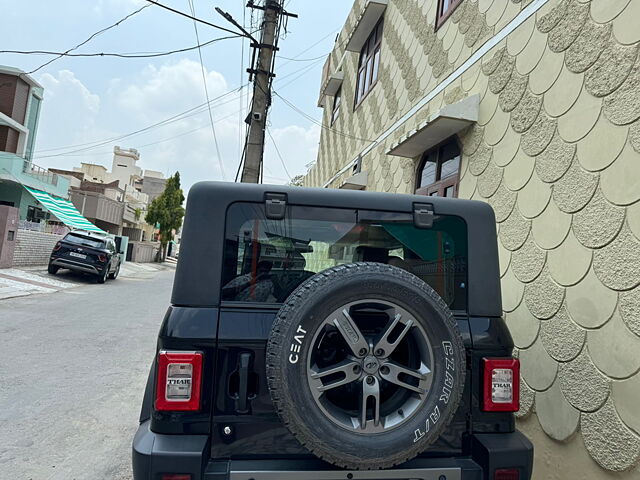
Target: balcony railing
(43,227)
(40,173)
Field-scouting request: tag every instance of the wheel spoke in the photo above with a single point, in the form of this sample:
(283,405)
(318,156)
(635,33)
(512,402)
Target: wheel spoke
(392,372)
(370,391)
(351,333)
(384,344)
(347,368)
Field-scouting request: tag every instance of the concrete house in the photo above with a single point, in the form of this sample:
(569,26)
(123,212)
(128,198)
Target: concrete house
(20,102)
(532,106)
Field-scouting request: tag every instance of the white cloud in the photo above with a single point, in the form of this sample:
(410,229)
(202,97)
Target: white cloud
(163,89)
(73,114)
(69,116)
(298,147)
(66,85)
(162,92)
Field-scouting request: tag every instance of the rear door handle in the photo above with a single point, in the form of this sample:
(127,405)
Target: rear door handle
(244,365)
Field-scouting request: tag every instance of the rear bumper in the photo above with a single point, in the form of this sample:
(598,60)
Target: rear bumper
(76,266)
(154,454)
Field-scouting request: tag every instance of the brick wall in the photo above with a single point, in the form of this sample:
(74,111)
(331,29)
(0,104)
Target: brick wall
(33,248)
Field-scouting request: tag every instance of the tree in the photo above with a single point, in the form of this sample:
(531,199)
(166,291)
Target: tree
(297,181)
(166,211)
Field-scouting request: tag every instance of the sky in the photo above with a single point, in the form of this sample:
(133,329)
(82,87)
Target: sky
(92,101)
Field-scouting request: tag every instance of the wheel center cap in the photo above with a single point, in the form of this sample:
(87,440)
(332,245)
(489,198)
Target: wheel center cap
(370,364)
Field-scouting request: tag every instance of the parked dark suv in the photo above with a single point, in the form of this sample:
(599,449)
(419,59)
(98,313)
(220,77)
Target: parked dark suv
(87,252)
(328,334)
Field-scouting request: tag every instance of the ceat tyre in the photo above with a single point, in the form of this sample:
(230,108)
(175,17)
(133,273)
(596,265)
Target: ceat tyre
(365,365)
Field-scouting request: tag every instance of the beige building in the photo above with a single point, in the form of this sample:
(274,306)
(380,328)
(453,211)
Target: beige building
(532,106)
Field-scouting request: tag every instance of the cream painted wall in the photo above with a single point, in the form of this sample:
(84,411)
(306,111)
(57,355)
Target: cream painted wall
(556,152)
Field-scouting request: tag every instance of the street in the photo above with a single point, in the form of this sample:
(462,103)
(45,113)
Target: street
(74,365)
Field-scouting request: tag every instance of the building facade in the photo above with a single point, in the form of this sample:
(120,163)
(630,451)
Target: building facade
(532,106)
(20,102)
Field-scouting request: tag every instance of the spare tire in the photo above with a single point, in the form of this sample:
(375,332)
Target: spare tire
(365,365)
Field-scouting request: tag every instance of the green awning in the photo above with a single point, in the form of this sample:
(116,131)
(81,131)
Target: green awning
(63,211)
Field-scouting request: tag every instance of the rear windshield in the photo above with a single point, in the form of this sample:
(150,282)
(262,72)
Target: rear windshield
(85,241)
(265,260)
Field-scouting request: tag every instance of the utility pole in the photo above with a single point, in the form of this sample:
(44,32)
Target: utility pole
(262,74)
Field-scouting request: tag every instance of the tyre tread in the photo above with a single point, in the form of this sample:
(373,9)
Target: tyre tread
(283,323)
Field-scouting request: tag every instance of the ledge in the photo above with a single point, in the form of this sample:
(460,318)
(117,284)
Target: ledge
(372,12)
(333,84)
(356,182)
(438,127)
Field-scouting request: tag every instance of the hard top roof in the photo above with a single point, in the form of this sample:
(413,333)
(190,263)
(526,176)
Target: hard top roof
(198,275)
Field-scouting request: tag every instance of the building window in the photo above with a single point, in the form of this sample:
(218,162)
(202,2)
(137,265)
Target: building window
(438,172)
(445,9)
(337,100)
(369,63)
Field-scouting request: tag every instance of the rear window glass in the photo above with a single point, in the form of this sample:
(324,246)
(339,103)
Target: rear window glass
(265,260)
(86,241)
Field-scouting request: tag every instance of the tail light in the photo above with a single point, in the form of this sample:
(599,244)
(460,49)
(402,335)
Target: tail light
(501,391)
(178,383)
(507,474)
(57,246)
(175,476)
(102,258)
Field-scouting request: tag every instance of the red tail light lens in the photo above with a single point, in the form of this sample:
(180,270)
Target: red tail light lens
(56,247)
(102,258)
(175,476)
(501,391)
(178,383)
(507,474)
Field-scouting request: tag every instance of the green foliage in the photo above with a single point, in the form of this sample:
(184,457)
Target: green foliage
(137,212)
(297,181)
(166,210)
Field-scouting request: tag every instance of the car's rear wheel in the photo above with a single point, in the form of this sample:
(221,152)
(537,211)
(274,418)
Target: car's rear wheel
(102,277)
(52,269)
(365,365)
(115,273)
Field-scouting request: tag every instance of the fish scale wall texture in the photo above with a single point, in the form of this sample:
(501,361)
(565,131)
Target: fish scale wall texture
(556,152)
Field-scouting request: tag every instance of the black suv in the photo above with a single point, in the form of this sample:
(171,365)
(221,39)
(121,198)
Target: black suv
(87,252)
(329,334)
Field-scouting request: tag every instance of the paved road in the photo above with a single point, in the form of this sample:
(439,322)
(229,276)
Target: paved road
(73,366)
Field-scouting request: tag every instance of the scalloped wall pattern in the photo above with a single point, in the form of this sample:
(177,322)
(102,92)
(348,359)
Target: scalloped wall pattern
(556,152)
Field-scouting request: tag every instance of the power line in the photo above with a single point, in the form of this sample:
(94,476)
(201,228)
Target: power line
(180,116)
(206,91)
(99,32)
(174,118)
(320,124)
(302,72)
(279,154)
(182,134)
(193,17)
(294,59)
(119,55)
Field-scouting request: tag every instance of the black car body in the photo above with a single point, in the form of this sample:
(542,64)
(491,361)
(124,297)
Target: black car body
(234,431)
(86,252)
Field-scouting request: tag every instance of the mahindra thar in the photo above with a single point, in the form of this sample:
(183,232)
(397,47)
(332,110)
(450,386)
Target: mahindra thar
(329,334)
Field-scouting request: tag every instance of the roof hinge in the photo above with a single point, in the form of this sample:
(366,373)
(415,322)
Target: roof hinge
(423,215)
(275,205)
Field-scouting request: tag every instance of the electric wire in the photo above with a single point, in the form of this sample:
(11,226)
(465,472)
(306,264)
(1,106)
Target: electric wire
(206,92)
(175,118)
(193,17)
(198,109)
(99,32)
(118,55)
(320,124)
(279,154)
